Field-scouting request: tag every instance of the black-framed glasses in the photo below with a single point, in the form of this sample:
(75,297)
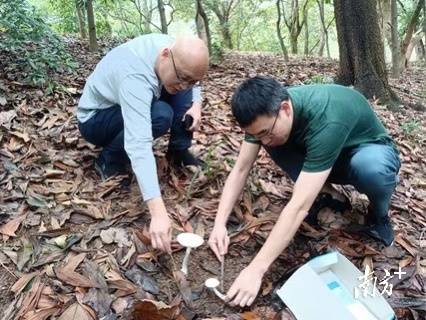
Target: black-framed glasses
(181,79)
(269,132)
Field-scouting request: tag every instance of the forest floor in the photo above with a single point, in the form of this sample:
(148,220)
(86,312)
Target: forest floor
(77,246)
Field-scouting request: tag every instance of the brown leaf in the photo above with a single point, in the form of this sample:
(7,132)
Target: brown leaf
(69,276)
(23,282)
(76,312)
(406,245)
(249,315)
(42,314)
(183,286)
(154,310)
(10,228)
(31,299)
(116,281)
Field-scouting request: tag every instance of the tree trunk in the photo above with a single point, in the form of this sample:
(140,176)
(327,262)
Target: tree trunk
(93,42)
(226,34)
(421,50)
(395,39)
(362,61)
(293,43)
(385,22)
(411,28)
(306,49)
(280,37)
(424,29)
(415,41)
(163,19)
(323,26)
(81,22)
(202,23)
(148,17)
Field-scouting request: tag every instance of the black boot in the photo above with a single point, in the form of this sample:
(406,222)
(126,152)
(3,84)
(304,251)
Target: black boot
(379,229)
(183,158)
(108,170)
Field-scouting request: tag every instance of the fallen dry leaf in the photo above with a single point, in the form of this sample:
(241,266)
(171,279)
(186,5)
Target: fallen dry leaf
(23,282)
(76,312)
(154,310)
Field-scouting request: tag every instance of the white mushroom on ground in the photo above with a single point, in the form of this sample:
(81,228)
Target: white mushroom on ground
(212,284)
(190,241)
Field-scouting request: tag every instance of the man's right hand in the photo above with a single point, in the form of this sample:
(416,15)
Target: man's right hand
(219,241)
(160,228)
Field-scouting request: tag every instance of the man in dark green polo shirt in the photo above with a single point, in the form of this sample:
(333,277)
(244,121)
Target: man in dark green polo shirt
(318,134)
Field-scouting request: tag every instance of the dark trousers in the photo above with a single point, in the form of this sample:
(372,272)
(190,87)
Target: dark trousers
(106,128)
(371,168)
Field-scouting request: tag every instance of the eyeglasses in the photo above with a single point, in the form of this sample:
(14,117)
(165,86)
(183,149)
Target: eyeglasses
(183,80)
(269,132)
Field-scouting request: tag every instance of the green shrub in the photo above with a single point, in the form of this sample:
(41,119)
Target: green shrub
(319,79)
(32,50)
(216,56)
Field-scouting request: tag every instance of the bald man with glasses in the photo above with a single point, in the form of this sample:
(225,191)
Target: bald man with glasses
(138,92)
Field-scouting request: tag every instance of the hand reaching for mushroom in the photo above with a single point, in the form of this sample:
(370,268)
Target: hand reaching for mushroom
(219,241)
(245,288)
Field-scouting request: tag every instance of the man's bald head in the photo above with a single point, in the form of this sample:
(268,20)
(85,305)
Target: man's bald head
(182,64)
(193,55)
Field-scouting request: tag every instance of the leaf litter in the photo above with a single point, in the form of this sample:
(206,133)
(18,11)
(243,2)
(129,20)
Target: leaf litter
(80,247)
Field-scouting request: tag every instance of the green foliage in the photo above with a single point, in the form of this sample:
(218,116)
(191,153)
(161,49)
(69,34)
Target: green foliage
(319,79)
(34,50)
(216,56)
(411,128)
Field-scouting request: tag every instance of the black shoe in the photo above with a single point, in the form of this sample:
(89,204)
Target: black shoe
(106,171)
(381,230)
(183,158)
(326,200)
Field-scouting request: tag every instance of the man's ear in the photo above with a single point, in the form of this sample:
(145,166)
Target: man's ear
(286,107)
(165,52)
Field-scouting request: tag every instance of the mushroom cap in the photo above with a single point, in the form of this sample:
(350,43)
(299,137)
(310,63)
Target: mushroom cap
(211,283)
(190,240)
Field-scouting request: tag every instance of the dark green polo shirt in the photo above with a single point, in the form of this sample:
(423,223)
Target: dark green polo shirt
(327,119)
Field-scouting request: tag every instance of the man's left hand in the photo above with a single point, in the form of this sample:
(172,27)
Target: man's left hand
(245,288)
(195,113)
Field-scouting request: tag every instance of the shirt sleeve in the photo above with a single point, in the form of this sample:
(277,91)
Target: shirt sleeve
(324,148)
(196,94)
(251,139)
(135,96)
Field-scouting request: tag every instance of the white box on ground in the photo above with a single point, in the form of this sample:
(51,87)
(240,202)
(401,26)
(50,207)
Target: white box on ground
(324,288)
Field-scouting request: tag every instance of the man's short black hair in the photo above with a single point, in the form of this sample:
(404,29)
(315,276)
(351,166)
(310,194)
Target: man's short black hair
(256,97)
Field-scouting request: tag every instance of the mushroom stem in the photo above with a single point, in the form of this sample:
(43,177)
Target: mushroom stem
(186,261)
(219,294)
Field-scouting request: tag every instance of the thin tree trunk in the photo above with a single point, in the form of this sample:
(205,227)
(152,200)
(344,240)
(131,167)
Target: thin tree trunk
(385,15)
(81,22)
(395,39)
(410,31)
(293,43)
(148,17)
(202,23)
(424,29)
(163,19)
(306,49)
(421,50)
(415,41)
(226,33)
(280,37)
(93,42)
(362,61)
(323,28)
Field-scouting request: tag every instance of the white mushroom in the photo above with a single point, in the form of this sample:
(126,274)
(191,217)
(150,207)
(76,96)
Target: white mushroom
(190,241)
(212,283)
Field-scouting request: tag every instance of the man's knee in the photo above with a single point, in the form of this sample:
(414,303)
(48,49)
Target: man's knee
(162,117)
(376,172)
